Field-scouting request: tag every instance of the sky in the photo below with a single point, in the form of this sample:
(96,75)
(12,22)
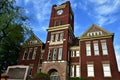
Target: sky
(104,13)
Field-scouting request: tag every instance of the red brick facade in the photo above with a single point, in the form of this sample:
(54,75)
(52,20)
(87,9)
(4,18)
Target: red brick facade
(90,56)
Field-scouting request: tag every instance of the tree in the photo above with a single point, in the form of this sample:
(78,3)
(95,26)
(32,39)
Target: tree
(13,31)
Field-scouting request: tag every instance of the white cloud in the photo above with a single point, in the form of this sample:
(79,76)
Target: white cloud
(42,9)
(103,11)
(98,1)
(106,13)
(108,8)
(26,1)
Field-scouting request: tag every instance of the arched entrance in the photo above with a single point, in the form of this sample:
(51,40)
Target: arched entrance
(54,75)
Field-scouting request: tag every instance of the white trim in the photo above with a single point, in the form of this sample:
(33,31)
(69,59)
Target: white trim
(56,43)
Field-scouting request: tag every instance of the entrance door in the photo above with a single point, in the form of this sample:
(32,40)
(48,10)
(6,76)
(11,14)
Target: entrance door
(54,75)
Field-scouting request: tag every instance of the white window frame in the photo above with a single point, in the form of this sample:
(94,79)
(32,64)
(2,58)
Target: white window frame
(55,54)
(28,57)
(77,53)
(88,49)
(52,38)
(25,53)
(77,70)
(60,54)
(72,53)
(61,36)
(34,53)
(49,54)
(56,37)
(72,70)
(90,70)
(96,48)
(106,70)
(104,48)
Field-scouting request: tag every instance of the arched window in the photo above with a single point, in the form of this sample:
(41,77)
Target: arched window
(54,75)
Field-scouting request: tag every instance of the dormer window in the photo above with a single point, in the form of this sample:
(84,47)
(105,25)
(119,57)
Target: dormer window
(97,33)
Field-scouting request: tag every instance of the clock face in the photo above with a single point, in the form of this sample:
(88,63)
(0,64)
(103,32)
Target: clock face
(59,12)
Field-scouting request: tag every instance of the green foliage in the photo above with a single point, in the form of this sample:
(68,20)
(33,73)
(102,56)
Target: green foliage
(13,31)
(77,78)
(41,76)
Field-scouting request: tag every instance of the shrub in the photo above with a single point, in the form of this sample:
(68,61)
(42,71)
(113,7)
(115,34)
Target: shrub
(41,76)
(77,78)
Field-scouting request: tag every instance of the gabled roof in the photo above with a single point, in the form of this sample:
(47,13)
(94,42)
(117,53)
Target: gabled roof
(33,40)
(95,32)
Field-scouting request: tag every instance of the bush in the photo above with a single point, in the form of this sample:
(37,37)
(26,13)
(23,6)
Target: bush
(41,76)
(78,78)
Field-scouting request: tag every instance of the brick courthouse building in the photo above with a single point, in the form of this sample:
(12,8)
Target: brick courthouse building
(90,56)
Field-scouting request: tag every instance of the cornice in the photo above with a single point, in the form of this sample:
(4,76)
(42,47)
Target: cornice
(61,27)
(74,47)
(60,7)
(93,38)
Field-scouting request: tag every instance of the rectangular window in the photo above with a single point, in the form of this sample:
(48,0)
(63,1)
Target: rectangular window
(106,70)
(60,22)
(29,53)
(72,53)
(72,71)
(77,54)
(96,48)
(56,23)
(90,70)
(56,37)
(88,49)
(34,53)
(104,48)
(50,54)
(52,38)
(77,71)
(61,36)
(25,54)
(60,54)
(55,54)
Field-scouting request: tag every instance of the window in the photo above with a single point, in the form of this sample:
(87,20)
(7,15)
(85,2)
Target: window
(97,33)
(41,56)
(96,48)
(55,54)
(60,22)
(77,71)
(90,70)
(50,54)
(56,37)
(77,53)
(29,53)
(88,49)
(61,36)
(34,53)
(56,23)
(52,37)
(60,54)
(25,54)
(72,70)
(104,48)
(72,53)
(106,70)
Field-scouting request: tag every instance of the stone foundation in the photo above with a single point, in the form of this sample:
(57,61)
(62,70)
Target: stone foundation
(60,66)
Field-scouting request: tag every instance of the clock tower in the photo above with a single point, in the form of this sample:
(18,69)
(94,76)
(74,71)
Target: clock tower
(59,39)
